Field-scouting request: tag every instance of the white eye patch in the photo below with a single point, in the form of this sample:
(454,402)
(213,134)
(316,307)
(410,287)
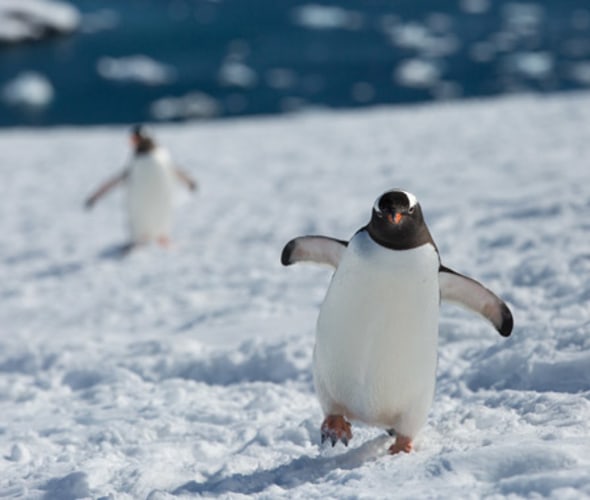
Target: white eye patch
(412,200)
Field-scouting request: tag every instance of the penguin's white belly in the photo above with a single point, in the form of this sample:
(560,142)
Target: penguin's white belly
(376,344)
(150,194)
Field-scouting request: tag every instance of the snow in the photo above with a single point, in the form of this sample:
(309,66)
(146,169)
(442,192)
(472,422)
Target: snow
(24,20)
(187,372)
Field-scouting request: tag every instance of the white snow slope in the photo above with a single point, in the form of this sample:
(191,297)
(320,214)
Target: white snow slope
(187,372)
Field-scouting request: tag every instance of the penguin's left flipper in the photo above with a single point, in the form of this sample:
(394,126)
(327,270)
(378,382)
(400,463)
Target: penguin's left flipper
(319,249)
(455,287)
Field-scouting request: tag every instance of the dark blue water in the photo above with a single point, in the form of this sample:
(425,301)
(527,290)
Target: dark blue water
(240,57)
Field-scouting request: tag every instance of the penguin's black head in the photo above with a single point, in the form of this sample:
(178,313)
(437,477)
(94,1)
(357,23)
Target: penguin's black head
(141,141)
(397,221)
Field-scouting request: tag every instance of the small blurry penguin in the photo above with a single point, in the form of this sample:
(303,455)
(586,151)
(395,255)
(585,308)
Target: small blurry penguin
(150,177)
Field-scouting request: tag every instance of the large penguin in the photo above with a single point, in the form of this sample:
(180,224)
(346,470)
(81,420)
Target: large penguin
(150,177)
(375,354)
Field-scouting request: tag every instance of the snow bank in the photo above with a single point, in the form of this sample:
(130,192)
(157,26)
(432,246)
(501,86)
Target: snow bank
(174,374)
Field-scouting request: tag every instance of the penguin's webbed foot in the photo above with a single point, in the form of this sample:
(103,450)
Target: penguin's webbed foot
(335,428)
(164,241)
(402,443)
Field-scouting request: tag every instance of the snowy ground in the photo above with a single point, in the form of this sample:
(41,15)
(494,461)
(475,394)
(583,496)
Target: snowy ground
(188,372)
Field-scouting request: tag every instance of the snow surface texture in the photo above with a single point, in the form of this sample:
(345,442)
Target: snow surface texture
(187,372)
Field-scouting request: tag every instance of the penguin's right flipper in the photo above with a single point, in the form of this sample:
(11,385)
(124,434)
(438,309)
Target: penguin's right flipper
(105,188)
(455,287)
(320,249)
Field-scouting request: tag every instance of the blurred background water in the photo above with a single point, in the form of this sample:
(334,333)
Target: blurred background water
(125,61)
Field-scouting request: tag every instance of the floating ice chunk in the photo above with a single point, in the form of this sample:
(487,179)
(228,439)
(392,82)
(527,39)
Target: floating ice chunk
(29,89)
(580,72)
(504,41)
(475,6)
(138,69)
(280,78)
(193,105)
(482,52)
(102,20)
(22,20)
(324,17)
(524,19)
(416,36)
(237,74)
(410,36)
(418,73)
(535,65)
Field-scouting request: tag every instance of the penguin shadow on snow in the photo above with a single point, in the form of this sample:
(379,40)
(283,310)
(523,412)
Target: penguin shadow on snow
(64,269)
(290,475)
(59,270)
(118,251)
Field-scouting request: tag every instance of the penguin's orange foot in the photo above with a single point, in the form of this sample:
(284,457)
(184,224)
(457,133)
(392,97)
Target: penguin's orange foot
(164,241)
(336,428)
(402,443)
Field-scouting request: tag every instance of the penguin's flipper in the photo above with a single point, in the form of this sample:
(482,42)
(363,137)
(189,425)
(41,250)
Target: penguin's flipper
(455,287)
(105,188)
(186,178)
(320,249)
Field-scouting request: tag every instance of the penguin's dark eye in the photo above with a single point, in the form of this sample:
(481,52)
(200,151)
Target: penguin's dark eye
(411,210)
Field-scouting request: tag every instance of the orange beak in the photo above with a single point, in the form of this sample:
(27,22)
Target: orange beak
(395,219)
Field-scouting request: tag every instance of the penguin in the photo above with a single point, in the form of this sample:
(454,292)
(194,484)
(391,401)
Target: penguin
(375,353)
(149,176)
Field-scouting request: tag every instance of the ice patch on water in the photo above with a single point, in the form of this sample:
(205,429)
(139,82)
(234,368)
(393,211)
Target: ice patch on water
(22,20)
(475,6)
(192,105)
(237,74)
(324,17)
(417,73)
(535,65)
(29,89)
(138,69)
(101,20)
